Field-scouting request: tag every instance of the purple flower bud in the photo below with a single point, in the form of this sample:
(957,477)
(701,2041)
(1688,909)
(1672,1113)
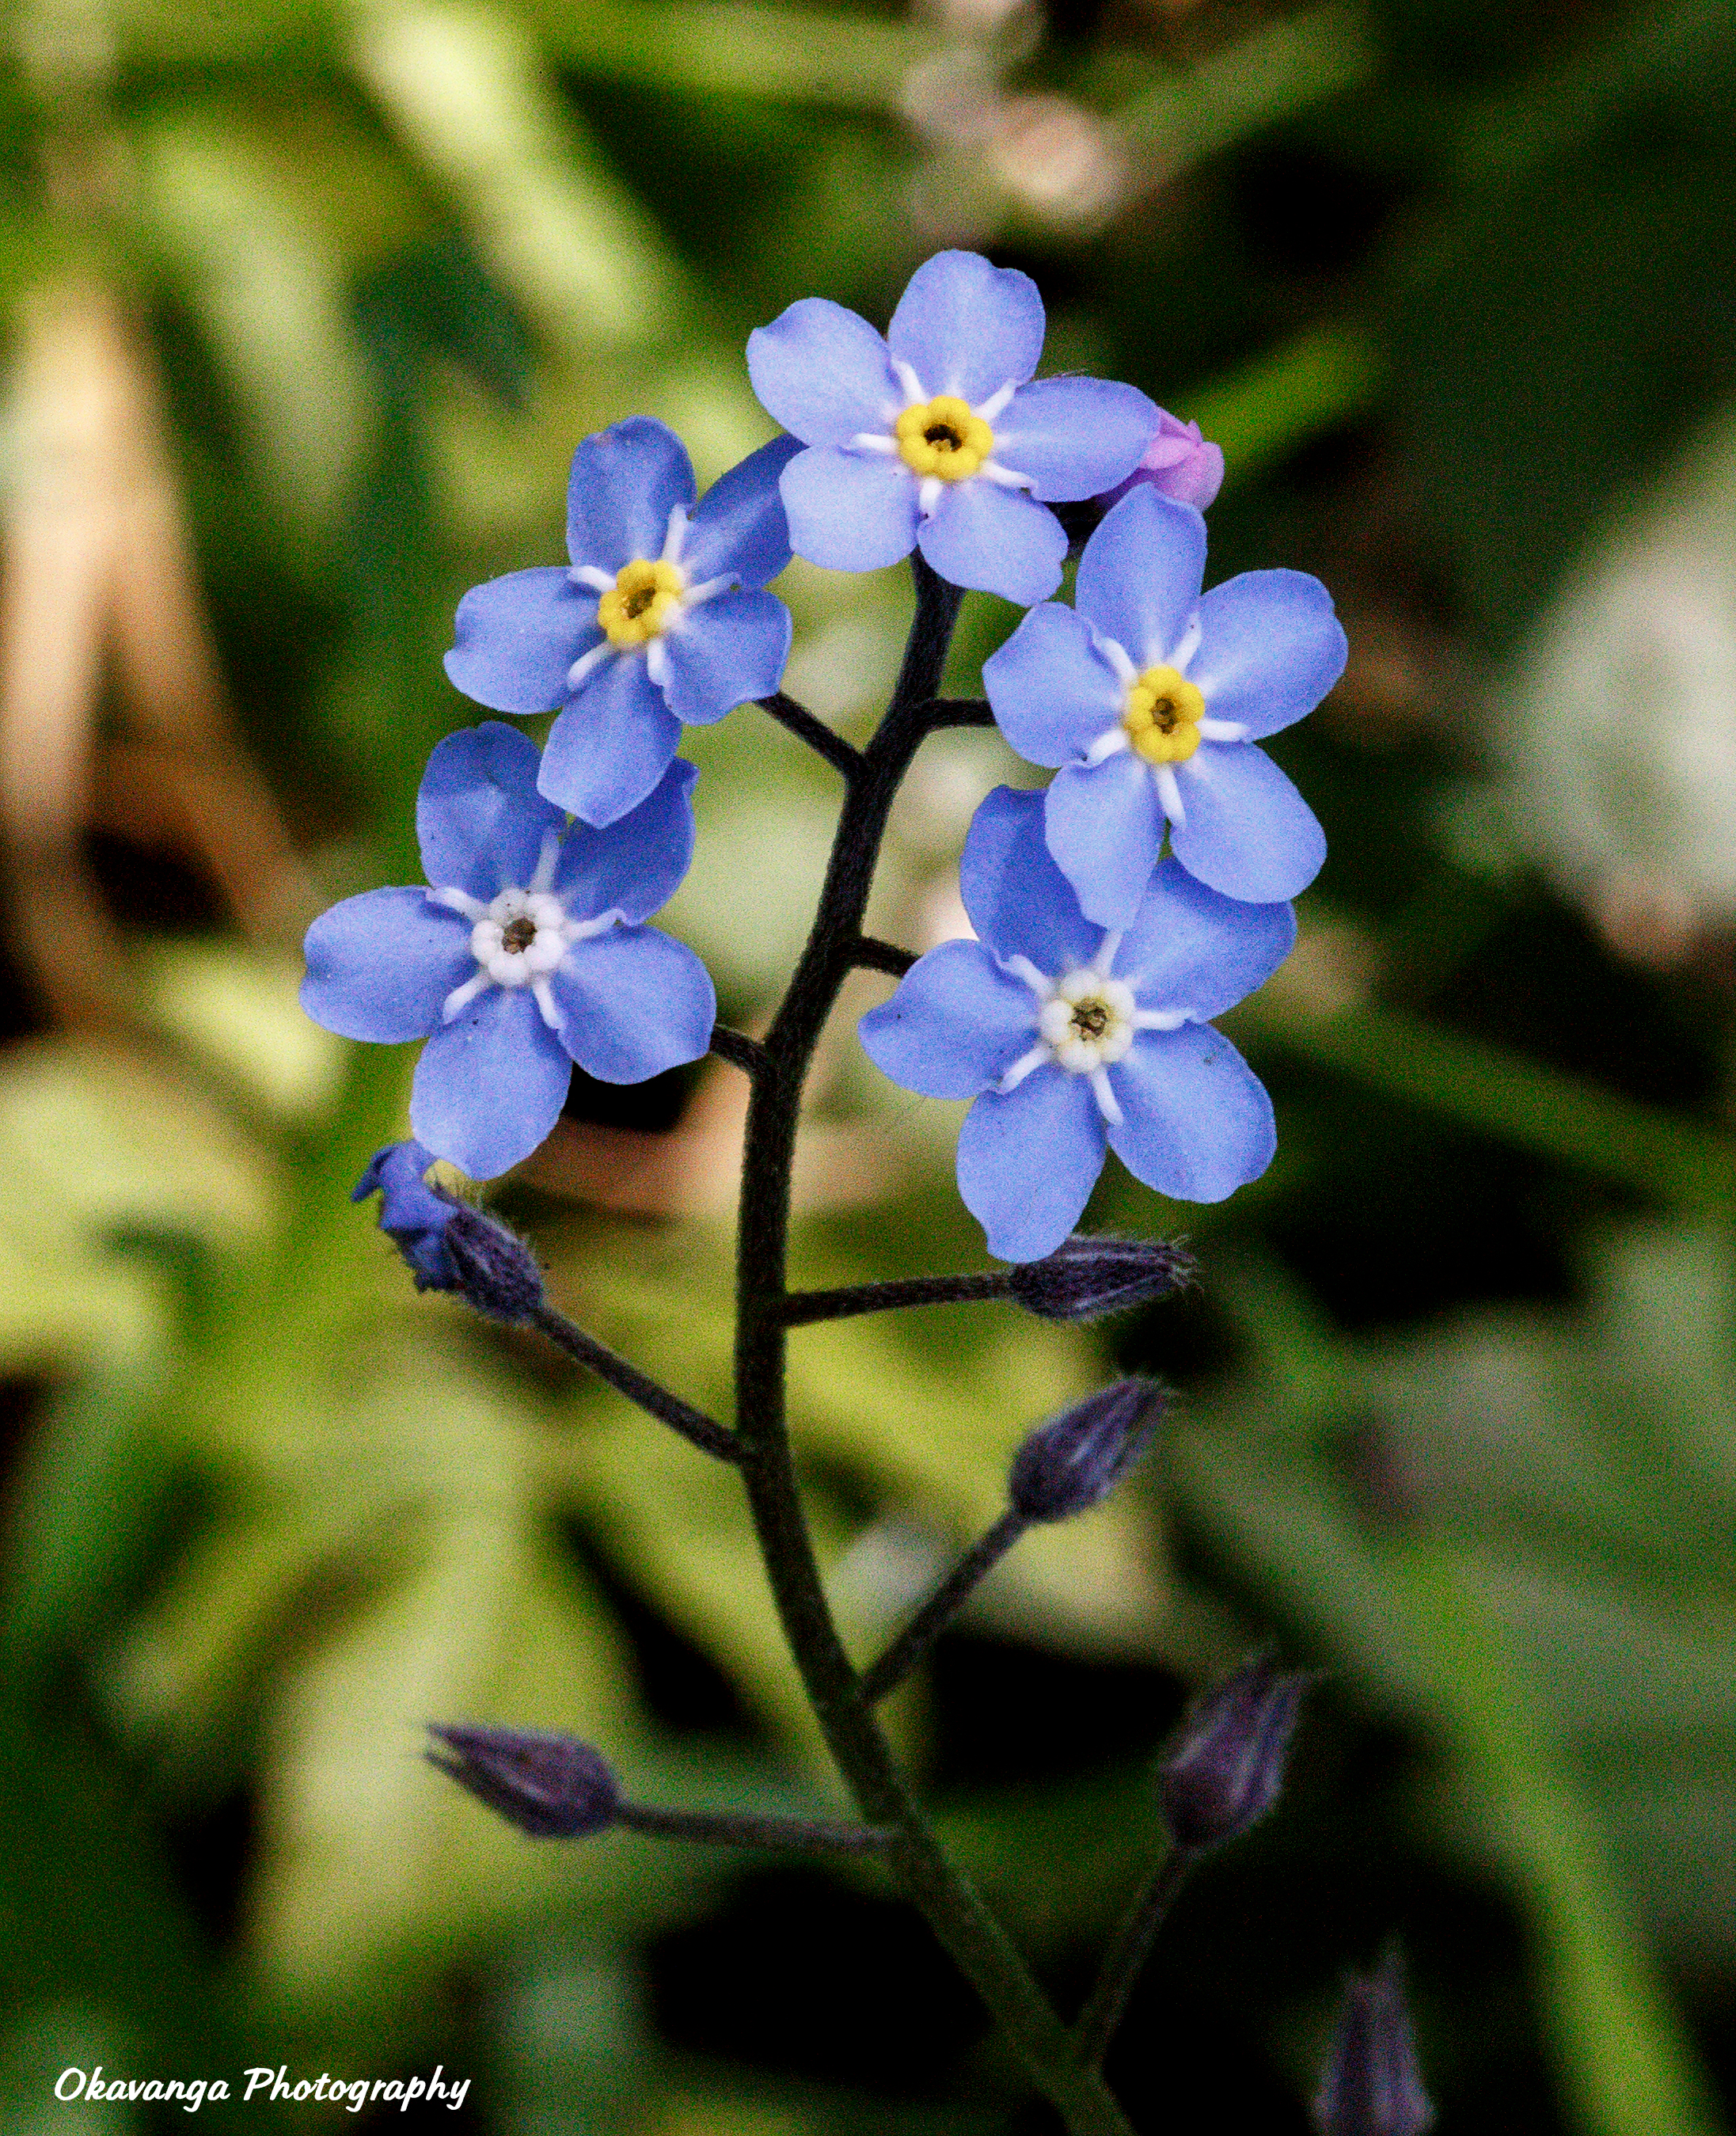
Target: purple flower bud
(1228,1765)
(1085,1278)
(496,1271)
(1371,2085)
(1075,1459)
(412,1214)
(552,1787)
(1178,463)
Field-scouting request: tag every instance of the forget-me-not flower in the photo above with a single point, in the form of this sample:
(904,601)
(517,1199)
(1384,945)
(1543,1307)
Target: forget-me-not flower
(936,437)
(1070,1038)
(1150,697)
(661,620)
(526,954)
(412,1214)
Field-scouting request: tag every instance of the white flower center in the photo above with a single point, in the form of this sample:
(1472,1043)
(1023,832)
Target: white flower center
(519,938)
(1085,1022)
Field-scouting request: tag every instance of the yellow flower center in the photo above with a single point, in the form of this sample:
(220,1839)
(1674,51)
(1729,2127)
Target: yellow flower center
(943,437)
(1162,716)
(644,600)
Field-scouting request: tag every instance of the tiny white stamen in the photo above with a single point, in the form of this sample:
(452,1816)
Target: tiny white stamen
(912,384)
(1169,792)
(589,575)
(1105,1097)
(545,861)
(708,589)
(582,930)
(996,400)
(656,663)
(1160,1019)
(459,900)
(676,534)
(1021,968)
(460,998)
(543,994)
(873,441)
(1222,731)
(1187,646)
(1027,1064)
(1007,477)
(927,494)
(1104,961)
(1116,653)
(586,662)
(1111,742)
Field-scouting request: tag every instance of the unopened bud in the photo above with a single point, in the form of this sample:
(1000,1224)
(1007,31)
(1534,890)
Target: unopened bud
(552,1787)
(1178,463)
(412,1214)
(493,1268)
(1371,2085)
(1085,1278)
(1075,1459)
(1227,1769)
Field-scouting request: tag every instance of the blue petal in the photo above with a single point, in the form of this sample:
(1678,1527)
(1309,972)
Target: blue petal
(1270,648)
(1196,1122)
(1104,826)
(412,1215)
(1018,899)
(1075,437)
(1139,578)
(1027,1162)
(997,539)
(823,373)
(956,1023)
(724,653)
(849,512)
(381,966)
(1248,832)
(490,1085)
(516,637)
(739,528)
(967,328)
(480,820)
(632,1002)
(636,864)
(1052,693)
(625,482)
(1189,948)
(612,744)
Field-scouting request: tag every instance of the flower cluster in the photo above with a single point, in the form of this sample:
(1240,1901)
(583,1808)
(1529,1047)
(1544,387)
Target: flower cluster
(1114,914)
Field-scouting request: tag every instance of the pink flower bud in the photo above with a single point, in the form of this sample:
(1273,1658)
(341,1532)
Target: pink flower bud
(1178,463)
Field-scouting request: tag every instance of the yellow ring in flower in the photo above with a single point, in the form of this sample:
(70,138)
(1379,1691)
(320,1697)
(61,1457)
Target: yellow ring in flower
(1162,716)
(644,600)
(942,437)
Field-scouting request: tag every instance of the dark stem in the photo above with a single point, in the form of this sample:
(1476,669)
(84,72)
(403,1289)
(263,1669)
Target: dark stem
(1124,1961)
(802,1307)
(941,1606)
(843,756)
(789,1835)
(959,713)
(963,1924)
(738,1049)
(871,954)
(692,1424)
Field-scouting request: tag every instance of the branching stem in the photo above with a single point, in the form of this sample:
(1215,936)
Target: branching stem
(1124,1961)
(941,1606)
(801,1307)
(692,1424)
(787,1835)
(843,756)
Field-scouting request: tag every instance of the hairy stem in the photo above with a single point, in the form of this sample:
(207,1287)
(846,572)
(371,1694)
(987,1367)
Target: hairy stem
(692,1424)
(802,1307)
(1124,1961)
(941,1606)
(789,1835)
(963,1924)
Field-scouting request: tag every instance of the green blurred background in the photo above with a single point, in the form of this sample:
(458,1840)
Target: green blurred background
(305,308)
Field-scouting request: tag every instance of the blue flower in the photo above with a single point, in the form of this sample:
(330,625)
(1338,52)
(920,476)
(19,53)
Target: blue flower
(1069,1037)
(661,621)
(526,955)
(935,438)
(412,1214)
(1149,699)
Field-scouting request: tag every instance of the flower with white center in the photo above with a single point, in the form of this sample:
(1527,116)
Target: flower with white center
(527,954)
(1074,1041)
(661,620)
(936,437)
(1148,696)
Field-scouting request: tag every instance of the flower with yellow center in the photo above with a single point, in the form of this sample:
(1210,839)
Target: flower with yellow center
(943,437)
(644,600)
(1161,715)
